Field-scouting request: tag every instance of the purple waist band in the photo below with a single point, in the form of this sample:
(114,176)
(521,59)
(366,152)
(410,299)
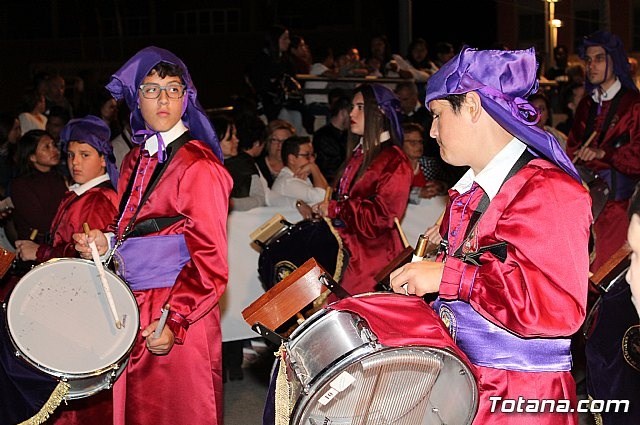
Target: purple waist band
(489,345)
(149,262)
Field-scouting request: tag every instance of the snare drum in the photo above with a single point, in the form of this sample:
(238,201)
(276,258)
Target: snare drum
(59,322)
(378,359)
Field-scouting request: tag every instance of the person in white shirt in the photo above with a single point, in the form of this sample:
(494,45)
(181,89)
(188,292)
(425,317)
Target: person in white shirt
(295,179)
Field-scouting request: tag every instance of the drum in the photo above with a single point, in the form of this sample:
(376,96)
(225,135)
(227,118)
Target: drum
(378,359)
(59,322)
(294,244)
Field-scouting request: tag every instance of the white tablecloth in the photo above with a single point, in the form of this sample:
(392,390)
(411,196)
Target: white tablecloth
(244,285)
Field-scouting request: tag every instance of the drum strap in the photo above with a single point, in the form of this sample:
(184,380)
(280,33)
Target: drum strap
(499,250)
(156,224)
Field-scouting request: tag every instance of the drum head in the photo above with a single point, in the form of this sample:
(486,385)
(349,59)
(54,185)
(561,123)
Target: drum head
(401,386)
(60,322)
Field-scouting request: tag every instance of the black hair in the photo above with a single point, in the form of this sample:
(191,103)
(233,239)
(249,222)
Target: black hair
(27,146)
(547,102)
(412,127)
(634,203)
(342,103)
(30,99)
(7,121)
(166,69)
(221,124)
(249,130)
(456,101)
(291,146)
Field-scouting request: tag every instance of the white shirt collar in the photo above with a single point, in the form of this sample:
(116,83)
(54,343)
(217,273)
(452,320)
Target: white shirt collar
(493,174)
(608,94)
(79,189)
(151,144)
(384,136)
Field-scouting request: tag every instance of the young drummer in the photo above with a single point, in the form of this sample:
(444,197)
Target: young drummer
(92,197)
(169,245)
(512,280)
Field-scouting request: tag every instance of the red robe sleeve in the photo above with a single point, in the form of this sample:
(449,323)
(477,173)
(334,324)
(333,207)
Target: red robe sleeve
(541,288)
(378,196)
(202,198)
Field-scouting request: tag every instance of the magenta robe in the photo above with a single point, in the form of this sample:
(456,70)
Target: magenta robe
(610,227)
(96,207)
(185,386)
(373,201)
(540,291)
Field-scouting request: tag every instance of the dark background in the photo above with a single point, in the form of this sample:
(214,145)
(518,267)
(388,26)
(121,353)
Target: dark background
(216,39)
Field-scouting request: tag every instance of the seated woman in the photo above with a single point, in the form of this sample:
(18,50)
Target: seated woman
(293,181)
(91,199)
(428,176)
(38,189)
(270,164)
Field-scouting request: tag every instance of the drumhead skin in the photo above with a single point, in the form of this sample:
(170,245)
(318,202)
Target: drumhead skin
(59,319)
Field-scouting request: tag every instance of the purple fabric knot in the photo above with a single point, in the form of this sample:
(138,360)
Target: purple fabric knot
(141,136)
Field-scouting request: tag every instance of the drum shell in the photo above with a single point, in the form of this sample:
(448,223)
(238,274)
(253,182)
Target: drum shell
(59,322)
(293,245)
(332,342)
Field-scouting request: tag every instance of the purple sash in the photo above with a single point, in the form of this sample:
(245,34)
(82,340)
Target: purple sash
(489,345)
(149,262)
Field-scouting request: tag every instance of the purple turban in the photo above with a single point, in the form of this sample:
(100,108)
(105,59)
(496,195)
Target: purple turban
(389,104)
(503,80)
(94,132)
(125,82)
(612,44)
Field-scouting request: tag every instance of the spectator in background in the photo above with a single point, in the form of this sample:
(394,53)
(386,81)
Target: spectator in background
(330,141)
(379,55)
(540,101)
(249,188)
(122,143)
(32,117)
(318,103)
(105,107)
(57,119)
(294,181)
(39,187)
(559,70)
(55,94)
(299,55)
(429,179)
(271,163)
(444,52)
(570,97)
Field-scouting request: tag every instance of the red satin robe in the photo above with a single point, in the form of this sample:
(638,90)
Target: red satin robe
(540,291)
(96,206)
(185,386)
(373,201)
(610,227)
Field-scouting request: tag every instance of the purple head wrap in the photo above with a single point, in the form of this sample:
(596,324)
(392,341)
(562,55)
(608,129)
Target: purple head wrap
(124,85)
(502,79)
(389,104)
(612,44)
(94,132)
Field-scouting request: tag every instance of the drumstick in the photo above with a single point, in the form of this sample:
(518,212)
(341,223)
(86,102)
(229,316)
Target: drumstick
(162,321)
(103,278)
(405,242)
(34,233)
(587,143)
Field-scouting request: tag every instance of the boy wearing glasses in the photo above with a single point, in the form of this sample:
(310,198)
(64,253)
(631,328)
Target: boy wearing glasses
(170,232)
(295,179)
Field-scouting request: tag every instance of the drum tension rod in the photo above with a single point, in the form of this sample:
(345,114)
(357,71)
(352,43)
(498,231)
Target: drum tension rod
(333,286)
(268,334)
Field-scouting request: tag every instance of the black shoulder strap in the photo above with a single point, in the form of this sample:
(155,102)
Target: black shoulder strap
(591,119)
(171,151)
(523,160)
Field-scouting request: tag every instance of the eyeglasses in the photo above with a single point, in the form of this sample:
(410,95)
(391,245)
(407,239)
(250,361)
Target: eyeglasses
(152,91)
(307,155)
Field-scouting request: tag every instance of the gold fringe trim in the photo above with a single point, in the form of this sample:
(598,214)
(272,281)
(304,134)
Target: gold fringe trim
(320,301)
(56,397)
(282,404)
(597,417)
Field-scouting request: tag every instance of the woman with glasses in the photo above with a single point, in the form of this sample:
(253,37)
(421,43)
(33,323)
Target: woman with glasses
(300,168)
(271,163)
(171,233)
(373,187)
